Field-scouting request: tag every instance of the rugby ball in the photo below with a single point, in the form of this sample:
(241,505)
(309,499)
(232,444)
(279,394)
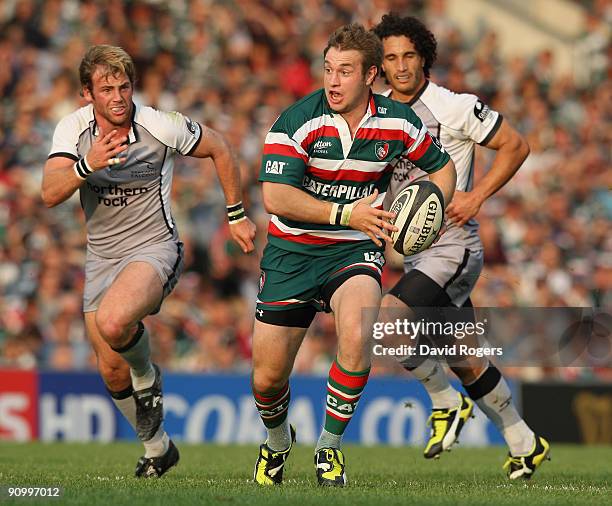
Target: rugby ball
(419,213)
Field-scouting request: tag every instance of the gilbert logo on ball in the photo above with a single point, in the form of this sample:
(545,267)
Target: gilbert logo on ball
(419,213)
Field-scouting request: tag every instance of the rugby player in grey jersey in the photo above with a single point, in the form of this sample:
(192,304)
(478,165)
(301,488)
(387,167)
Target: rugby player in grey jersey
(445,274)
(120,157)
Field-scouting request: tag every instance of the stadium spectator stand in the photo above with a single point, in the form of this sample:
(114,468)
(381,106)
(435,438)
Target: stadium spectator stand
(235,67)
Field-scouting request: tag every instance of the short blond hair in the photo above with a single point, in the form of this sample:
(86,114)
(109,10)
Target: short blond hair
(355,36)
(112,58)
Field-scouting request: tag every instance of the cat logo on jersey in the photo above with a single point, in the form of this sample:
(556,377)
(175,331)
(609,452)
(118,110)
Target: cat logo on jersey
(381,149)
(262,281)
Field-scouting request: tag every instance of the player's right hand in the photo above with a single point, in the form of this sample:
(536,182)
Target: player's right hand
(105,150)
(372,221)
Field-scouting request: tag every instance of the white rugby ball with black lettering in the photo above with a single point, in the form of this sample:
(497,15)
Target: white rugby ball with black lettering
(419,210)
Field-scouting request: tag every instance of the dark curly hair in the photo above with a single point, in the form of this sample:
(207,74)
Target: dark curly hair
(424,41)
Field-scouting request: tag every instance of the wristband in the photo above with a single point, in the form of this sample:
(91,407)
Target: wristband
(333,214)
(346,214)
(238,220)
(339,212)
(82,168)
(235,213)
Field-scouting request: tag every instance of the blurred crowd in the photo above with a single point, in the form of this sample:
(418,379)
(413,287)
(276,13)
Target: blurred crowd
(235,66)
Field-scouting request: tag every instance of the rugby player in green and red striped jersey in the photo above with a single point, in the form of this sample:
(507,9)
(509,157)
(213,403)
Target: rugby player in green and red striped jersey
(327,162)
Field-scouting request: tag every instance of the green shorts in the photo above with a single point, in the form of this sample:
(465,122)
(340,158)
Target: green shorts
(293,286)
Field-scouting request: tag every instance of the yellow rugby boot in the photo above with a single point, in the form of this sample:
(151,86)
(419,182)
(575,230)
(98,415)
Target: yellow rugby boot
(446,424)
(523,466)
(270,464)
(329,466)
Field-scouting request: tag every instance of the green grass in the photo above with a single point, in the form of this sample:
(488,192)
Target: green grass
(102,474)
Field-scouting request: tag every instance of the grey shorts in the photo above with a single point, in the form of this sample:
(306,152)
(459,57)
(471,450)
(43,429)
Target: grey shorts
(166,258)
(455,268)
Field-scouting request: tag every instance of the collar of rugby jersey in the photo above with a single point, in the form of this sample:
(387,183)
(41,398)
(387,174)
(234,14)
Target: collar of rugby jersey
(132,135)
(343,129)
(418,93)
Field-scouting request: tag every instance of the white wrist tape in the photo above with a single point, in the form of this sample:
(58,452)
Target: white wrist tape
(346,215)
(333,214)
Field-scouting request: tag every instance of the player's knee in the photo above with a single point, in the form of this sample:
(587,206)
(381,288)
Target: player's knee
(112,329)
(387,301)
(391,303)
(270,380)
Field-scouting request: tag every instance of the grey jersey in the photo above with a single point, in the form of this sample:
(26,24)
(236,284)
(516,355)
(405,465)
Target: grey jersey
(128,206)
(459,121)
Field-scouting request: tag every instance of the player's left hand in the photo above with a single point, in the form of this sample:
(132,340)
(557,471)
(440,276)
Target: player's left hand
(243,233)
(465,205)
(372,221)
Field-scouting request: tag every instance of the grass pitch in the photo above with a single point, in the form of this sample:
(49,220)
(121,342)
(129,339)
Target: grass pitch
(209,474)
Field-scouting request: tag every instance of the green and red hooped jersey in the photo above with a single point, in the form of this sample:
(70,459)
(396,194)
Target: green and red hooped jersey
(310,147)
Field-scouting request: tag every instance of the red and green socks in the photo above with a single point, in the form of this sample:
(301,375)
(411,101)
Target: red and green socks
(273,408)
(344,390)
